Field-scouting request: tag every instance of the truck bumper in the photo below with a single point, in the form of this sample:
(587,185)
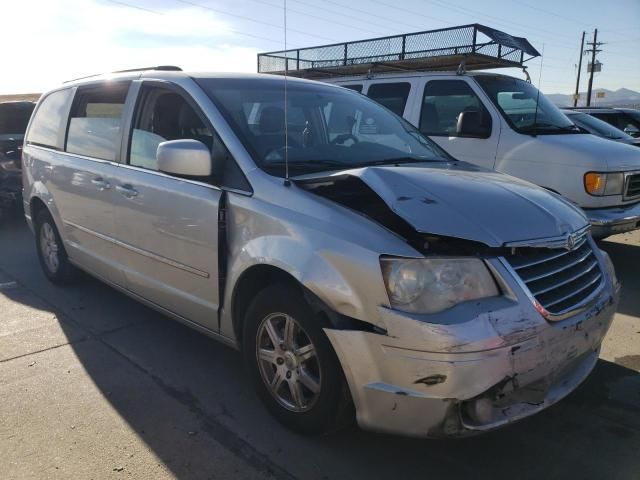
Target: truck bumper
(458,391)
(609,221)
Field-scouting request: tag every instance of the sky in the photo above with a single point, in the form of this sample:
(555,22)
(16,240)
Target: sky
(50,41)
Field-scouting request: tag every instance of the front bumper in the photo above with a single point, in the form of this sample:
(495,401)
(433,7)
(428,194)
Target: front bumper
(609,221)
(435,380)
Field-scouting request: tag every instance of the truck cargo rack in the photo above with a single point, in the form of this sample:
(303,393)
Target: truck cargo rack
(474,46)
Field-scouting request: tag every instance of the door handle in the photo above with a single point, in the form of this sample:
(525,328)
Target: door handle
(101,183)
(127,190)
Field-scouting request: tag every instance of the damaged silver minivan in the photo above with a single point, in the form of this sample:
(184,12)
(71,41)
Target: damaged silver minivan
(356,265)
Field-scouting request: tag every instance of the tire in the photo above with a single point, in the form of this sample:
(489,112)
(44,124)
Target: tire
(311,368)
(51,252)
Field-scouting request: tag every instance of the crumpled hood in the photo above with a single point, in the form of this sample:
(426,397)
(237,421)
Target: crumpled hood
(464,201)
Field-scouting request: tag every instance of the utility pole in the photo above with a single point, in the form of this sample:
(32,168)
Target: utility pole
(575,97)
(594,49)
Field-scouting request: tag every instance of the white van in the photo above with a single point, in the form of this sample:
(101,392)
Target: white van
(495,121)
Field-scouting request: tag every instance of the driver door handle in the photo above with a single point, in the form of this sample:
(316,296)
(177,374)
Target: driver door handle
(127,190)
(101,183)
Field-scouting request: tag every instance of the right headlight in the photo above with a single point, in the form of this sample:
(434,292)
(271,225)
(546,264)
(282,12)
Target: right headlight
(431,285)
(602,184)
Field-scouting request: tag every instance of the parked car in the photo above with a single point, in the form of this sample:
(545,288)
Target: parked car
(624,119)
(14,117)
(351,259)
(599,127)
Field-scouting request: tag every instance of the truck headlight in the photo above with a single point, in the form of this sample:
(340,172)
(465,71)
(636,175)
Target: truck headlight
(601,184)
(431,285)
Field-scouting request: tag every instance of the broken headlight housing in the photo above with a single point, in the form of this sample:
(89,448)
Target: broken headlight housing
(431,285)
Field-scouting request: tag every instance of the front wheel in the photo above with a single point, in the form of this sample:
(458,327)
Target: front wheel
(292,364)
(51,253)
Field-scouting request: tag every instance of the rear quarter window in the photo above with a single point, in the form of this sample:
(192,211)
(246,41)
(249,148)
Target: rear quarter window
(50,119)
(391,95)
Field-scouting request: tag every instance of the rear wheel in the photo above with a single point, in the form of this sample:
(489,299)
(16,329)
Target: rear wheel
(51,252)
(292,364)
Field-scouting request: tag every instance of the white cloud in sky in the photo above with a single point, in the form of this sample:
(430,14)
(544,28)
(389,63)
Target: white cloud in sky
(52,41)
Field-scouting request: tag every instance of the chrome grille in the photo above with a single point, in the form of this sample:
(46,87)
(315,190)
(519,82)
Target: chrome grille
(560,280)
(633,186)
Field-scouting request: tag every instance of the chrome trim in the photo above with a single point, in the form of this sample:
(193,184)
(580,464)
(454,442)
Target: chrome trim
(552,242)
(574,293)
(569,280)
(552,256)
(576,309)
(577,261)
(139,251)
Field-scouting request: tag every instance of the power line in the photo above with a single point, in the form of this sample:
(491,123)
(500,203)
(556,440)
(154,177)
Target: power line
(125,4)
(325,19)
(242,17)
(343,14)
(555,14)
(417,27)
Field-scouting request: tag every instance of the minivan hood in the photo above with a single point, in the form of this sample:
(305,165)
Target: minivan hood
(464,201)
(586,149)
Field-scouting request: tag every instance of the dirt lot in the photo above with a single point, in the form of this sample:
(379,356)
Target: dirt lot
(94,385)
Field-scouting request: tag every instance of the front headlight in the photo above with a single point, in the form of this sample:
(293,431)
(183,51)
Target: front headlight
(431,285)
(602,184)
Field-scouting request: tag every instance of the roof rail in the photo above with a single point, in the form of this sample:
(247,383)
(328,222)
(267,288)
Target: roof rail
(478,46)
(163,68)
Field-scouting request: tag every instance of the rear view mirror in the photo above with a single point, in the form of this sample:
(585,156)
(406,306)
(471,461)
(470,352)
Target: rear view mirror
(470,125)
(184,157)
(631,130)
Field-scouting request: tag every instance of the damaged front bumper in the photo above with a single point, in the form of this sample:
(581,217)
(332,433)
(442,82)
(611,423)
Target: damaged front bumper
(457,377)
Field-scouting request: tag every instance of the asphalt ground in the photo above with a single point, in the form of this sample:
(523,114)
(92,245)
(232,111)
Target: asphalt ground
(95,385)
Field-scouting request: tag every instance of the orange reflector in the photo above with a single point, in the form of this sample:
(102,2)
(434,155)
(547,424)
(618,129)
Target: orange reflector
(593,182)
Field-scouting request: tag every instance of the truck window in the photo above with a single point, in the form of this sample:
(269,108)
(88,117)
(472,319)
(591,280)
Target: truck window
(391,95)
(48,121)
(96,119)
(443,101)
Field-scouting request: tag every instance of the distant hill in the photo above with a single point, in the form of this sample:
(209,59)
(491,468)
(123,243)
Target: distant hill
(622,97)
(20,96)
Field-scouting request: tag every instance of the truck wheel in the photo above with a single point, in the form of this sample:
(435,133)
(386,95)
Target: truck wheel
(51,253)
(292,363)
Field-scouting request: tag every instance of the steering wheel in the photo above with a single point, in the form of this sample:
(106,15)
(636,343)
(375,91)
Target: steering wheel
(340,139)
(280,150)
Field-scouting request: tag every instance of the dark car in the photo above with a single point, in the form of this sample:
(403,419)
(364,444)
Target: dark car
(14,117)
(598,127)
(625,119)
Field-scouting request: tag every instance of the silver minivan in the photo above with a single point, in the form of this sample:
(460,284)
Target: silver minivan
(357,266)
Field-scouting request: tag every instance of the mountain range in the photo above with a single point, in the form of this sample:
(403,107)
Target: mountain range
(623,97)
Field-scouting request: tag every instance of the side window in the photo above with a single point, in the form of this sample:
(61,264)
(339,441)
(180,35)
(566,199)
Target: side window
(48,121)
(162,115)
(442,103)
(96,120)
(391,95)
(356,88)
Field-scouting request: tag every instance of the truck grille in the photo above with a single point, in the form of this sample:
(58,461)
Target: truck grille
(560,280)
(633,186)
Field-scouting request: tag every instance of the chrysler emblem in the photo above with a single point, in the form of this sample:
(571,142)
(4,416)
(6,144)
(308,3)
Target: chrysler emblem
(571,241)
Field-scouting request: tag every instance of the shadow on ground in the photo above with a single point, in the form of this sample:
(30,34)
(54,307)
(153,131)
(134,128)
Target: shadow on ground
(594,433)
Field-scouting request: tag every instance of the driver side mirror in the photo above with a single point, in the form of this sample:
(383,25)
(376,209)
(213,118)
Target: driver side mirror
(190,158)
(470,125)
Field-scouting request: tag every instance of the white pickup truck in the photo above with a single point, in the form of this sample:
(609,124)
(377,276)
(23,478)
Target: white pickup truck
(495,121)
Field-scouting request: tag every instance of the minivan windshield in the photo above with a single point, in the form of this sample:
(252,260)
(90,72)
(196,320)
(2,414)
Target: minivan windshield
(517,101)
(328,127)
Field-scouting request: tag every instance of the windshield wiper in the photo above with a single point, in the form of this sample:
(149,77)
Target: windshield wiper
(315,164)
(397,161)
(542,127)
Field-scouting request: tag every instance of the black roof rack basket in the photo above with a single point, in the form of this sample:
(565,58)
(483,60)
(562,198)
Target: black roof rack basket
(478,46)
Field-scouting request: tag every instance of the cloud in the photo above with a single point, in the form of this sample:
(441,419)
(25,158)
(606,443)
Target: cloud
(73,38)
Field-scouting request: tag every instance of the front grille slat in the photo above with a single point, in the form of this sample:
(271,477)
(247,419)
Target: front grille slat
(573,277)
(633,186)
(560,280)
